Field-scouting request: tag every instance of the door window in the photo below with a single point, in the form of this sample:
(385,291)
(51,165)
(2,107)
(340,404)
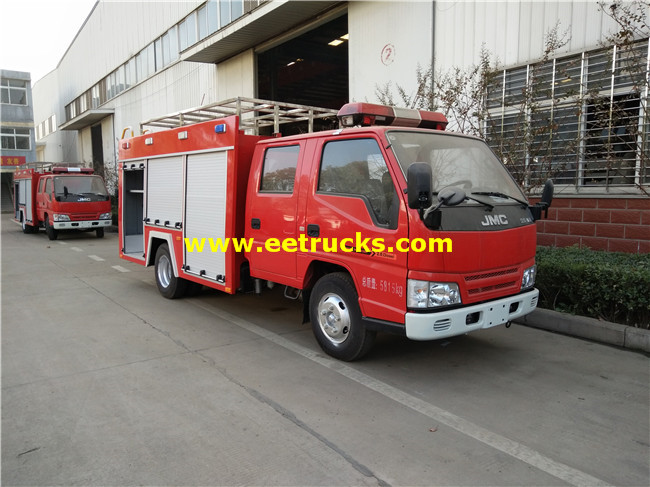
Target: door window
(279,171)
(356,167)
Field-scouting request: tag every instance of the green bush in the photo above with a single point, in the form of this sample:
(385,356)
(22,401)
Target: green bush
(607,285)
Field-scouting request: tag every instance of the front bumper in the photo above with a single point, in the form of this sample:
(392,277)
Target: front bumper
(82,225)
(443,324)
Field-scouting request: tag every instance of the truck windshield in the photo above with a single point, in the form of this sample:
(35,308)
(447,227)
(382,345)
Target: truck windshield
(80,188)
(464,162)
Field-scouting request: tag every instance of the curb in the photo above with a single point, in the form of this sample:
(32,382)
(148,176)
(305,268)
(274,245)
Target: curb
(590,328)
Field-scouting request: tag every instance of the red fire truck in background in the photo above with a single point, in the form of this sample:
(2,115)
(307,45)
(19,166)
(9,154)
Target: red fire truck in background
(60,198)
(385,180)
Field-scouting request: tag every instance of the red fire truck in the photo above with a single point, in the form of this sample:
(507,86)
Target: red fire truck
(343,218)
(60,198)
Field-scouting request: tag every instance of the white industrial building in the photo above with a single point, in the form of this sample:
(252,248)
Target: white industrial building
(135,61)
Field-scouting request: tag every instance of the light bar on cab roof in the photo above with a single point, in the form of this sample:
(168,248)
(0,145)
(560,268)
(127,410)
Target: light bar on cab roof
(60,170)
(365,114)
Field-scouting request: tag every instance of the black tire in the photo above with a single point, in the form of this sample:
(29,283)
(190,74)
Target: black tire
(336,318)
(100,233)
(52,233)
(27,228)
(169,285)
(193,288)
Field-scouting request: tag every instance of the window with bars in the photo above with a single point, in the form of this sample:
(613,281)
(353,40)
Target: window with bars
(582,120)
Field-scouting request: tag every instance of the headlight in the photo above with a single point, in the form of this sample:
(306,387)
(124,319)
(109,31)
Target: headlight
(105,216)
(425,294)
(61,218)
(528,279)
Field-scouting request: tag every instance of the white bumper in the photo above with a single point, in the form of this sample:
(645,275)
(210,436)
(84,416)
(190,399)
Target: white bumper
(81,225)
(431,326)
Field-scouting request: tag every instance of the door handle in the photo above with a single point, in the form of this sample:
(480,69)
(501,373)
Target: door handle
(256,223)
(313,230)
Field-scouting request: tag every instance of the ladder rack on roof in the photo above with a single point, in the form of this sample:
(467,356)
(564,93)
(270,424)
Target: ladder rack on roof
(47,166)
(253,114)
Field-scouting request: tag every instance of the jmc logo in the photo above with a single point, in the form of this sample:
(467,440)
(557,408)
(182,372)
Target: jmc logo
(494,220)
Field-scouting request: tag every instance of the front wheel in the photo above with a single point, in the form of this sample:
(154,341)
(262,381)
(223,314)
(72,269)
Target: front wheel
(169,285)
(336,318)
(52,232)
(100,233)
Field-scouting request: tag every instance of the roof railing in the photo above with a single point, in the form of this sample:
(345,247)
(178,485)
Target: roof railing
(253,113)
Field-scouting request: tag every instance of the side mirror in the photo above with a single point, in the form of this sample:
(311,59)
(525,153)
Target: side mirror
(451,196)
(547,193)
(419,185)
(544,203)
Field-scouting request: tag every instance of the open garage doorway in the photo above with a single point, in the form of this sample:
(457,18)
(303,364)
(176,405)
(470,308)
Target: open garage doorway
(310,69)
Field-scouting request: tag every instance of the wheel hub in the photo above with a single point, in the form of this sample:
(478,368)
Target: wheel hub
(334,318)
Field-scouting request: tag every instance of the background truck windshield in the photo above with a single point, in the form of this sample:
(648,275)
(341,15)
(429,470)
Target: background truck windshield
(462,162)
(84,186)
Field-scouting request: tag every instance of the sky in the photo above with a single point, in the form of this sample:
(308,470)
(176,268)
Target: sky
(34,34)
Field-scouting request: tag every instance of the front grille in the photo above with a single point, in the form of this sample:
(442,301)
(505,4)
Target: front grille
(485,289)
(505,272)
(83,216)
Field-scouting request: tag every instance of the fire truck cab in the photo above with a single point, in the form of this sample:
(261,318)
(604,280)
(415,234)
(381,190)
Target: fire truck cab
(60,198)
(388,223)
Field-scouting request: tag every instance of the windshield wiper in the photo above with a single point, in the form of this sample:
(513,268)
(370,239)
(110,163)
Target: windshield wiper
(500,195)
(483,202)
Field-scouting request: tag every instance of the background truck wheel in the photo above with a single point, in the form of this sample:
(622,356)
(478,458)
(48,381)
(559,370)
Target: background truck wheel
(27,228)
(336,318)
(169,285)
(52,233)
(100,233)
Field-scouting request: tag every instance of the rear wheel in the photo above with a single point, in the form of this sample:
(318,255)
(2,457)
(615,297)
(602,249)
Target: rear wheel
(336,318)
(52,233)
(193,288)
(169,285)
(27,228)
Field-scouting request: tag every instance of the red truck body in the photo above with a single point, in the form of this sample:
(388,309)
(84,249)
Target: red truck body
(329,215)
(59,199)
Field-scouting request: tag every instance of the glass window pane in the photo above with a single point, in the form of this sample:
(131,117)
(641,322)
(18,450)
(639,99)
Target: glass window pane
(224,12)
(599,72)
(279,170)
(356,167)
(18,97)
(237,8)
(611,140)
(22,142)
(182,34)
(191,29)
(567,76)
(541,78)
(173,44)
(631,65)
(203,22)
(213,16)
(495,90)
(515,86)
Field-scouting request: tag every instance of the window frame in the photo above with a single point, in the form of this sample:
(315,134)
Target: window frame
(576,81)
(279,148)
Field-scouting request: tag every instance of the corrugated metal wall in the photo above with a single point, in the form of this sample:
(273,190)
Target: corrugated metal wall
(514,31)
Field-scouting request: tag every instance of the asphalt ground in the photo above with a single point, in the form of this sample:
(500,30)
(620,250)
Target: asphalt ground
(104,382)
